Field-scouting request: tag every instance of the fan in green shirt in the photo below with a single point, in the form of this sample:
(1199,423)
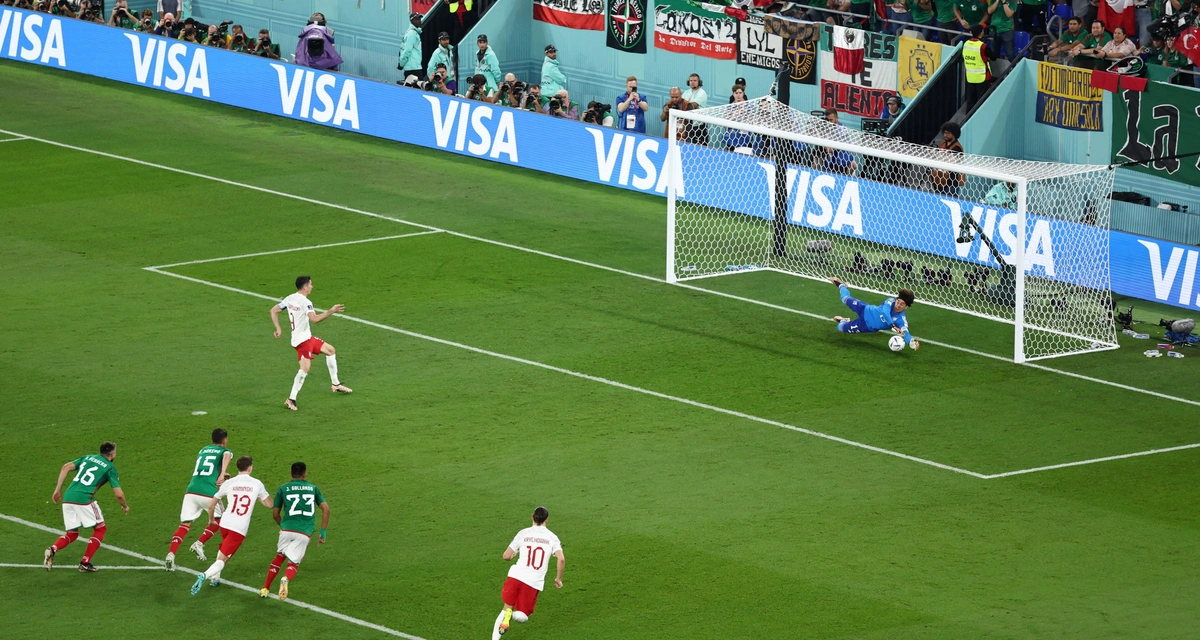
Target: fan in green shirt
(919,14)
(1001,20)
(945,14)
(970,12)
(1084,51)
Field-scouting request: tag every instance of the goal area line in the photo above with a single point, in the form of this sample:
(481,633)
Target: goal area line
(931,303)
(624,272)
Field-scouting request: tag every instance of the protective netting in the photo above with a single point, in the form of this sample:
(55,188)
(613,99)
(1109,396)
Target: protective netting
(883,214)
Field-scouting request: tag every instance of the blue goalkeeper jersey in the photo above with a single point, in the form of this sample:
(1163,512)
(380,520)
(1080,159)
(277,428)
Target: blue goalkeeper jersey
(883,316)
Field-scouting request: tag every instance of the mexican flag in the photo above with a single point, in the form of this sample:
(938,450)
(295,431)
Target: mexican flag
(847,47)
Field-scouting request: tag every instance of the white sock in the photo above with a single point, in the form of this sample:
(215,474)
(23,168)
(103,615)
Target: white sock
(215,569)
(297,383)
(331,362)
(496,627)
(520,617)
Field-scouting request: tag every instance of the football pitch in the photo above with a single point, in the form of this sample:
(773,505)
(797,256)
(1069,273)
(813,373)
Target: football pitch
(717,460)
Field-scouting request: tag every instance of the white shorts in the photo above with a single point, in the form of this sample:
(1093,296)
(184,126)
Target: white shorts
(81,516)
(293,545)
(194,505)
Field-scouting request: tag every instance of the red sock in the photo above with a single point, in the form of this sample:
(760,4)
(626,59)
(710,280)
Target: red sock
(97,537)
(177,539)
(66,539)
(290,574)
(209,531)
(273,571)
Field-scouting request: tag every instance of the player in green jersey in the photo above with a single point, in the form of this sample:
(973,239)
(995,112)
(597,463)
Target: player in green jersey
(296,505)
(211,463)
(79,506)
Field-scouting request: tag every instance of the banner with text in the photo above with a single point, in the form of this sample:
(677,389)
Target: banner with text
(626,25)
(1162,121)
(847,205)
(1066,98)
(685,28)
(861,94)
(573,14)
(756,47)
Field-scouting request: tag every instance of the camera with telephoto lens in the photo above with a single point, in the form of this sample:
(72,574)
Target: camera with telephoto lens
(555,104)
(1171,26)
(595,112)
(223,28)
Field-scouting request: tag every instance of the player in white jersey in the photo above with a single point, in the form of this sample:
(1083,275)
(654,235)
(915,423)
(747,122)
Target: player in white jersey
(302,315)
(243,490)
(532,547)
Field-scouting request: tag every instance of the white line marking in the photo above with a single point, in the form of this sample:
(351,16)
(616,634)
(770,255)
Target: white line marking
(10,565)
(584,376)
(17,139)
(315,246)
(1092,461)
(156,561)
(572,260)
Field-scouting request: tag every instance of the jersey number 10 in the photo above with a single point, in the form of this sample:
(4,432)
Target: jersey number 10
(535,557)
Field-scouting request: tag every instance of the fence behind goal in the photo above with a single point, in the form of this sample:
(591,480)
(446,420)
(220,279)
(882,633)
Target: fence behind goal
(883,214)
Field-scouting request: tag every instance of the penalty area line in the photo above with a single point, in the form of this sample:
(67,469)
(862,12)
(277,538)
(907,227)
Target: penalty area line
(12,565)
(605,381)
(278,251)
(303,605)
(16,139)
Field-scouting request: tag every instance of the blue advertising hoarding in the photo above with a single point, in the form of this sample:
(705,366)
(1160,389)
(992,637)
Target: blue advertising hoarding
(1141,267)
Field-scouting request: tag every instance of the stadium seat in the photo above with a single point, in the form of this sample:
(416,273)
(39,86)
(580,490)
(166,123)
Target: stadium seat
(1020,41)
(1063,11)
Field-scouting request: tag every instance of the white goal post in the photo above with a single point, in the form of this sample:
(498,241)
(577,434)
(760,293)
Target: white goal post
(882,214)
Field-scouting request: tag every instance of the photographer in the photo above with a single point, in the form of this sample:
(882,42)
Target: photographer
(439,81)
(168,28)
(632,108)
(477,89)
(216,38)
(190,34)
(90,12)
(315,45)
(598,114)
(146,24)
(510,91)
(239,41)
(675,102)
(264,47)
(410,51)
(443,56)
(121,17)
(63,8)
(560,106)
(533,100)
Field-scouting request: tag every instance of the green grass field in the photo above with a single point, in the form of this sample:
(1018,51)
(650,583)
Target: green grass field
(678,520)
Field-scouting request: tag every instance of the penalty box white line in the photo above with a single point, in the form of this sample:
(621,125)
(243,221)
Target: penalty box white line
(575,261)
(17,139)
(224,582)
(315,246)
(584,376)
(11,565)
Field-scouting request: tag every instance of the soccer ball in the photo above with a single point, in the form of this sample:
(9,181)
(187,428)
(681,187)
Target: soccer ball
(896,343)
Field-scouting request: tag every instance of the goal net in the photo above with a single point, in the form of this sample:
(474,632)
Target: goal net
(882,214)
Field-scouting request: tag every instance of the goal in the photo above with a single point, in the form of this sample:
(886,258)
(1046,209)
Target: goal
(881,214)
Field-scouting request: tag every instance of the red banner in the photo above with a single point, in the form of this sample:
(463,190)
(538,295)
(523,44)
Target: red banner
(422,6)
(573,14)
(853,99)
(697,46)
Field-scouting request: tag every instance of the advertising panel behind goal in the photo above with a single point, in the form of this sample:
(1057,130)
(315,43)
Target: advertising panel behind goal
(883,214)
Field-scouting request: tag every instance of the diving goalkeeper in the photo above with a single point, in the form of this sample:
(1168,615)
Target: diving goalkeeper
(871,318)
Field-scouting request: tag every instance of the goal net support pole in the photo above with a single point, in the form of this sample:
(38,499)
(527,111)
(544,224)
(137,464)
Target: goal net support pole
(757,185)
